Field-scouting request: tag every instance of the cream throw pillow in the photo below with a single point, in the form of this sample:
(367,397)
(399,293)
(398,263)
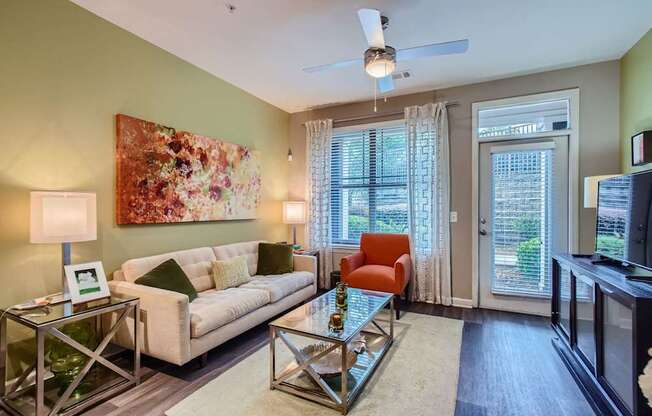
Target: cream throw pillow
(230,273)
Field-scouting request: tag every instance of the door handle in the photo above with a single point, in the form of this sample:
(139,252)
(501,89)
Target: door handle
(483,232)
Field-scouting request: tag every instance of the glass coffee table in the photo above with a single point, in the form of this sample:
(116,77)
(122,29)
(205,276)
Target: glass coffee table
(319,353)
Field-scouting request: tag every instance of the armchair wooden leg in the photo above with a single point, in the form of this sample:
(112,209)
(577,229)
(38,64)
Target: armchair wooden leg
(397,306)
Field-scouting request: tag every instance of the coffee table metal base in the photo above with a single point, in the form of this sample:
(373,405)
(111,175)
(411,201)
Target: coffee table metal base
(379,340)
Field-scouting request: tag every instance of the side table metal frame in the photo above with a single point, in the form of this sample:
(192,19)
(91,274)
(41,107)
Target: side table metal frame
(95,356)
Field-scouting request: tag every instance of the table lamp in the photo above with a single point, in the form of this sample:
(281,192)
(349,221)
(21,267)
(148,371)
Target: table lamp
(294,212)
(62,217)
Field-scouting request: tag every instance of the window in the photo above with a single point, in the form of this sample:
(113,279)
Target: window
(368,182)
(520,119)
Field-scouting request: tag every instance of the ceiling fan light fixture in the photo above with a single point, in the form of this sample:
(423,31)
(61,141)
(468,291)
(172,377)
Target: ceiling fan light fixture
(380,63)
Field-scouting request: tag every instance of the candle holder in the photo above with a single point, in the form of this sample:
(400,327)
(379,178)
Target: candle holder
(340,301)
(336,322)
(341,297)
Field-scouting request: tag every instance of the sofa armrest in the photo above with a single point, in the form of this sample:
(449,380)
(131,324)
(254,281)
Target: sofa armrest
(403,270)
(303,263)
(164,322)
(350,263)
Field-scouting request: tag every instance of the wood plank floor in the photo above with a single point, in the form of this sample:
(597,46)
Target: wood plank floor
(508,367)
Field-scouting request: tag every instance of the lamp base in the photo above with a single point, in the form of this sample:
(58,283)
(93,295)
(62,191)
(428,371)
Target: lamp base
(66,256)
(294,235)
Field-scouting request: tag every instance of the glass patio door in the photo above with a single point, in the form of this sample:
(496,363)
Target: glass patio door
(523,220)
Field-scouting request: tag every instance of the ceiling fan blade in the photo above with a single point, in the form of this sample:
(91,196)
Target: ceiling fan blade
(435,49)
(372,27)
(385,84)
(325,67)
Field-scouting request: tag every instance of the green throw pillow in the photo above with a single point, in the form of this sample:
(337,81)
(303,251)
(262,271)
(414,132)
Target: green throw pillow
(169,276)
(274,259)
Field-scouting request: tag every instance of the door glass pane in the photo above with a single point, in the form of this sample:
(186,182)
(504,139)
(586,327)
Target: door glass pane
(565,299)
(585,318)
(618,348)
(521,226)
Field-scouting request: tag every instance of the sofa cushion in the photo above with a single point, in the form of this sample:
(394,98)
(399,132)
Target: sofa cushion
(281,285)
(230,273)
(374,277)
(216,308)
(249,249)
(196,263)
(274,259)
(169,276)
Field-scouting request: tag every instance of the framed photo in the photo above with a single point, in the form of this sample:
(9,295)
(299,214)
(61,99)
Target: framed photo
(86,282)
(642,148)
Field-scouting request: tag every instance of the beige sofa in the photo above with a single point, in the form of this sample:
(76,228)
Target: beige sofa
(177,331)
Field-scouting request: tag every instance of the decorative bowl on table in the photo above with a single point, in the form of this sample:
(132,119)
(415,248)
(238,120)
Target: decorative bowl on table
(330,365)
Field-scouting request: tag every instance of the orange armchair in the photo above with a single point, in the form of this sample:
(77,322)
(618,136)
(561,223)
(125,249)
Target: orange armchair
(383,263)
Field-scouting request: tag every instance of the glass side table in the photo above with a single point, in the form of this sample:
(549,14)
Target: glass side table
(95,375)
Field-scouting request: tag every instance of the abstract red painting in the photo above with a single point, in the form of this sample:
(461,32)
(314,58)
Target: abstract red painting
(169,176)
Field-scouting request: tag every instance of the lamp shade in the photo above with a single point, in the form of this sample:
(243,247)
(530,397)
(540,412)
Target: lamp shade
(294,212)
(591,189)
(62,217)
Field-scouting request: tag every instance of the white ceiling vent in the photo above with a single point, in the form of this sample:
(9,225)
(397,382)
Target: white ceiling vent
(402,74)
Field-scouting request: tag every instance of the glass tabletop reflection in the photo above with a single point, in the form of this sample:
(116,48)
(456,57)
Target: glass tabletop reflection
(59,311)
(313,317)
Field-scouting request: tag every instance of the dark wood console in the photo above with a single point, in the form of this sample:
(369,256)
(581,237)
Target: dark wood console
(603,322)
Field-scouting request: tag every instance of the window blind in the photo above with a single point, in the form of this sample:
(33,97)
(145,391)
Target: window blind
(523,119)
(522,216)
(368,183)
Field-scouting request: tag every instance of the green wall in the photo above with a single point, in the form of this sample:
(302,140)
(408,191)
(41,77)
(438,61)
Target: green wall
(64,74)
(635,96)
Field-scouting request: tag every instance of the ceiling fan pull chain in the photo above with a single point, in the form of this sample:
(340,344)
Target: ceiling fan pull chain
(375,97)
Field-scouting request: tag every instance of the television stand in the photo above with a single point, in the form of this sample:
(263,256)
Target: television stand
(601,319)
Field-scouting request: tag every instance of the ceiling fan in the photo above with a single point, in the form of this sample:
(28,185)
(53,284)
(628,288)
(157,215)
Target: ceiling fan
(380,59)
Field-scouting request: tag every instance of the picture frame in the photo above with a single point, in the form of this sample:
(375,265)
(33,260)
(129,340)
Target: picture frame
(86,282)
(641,148)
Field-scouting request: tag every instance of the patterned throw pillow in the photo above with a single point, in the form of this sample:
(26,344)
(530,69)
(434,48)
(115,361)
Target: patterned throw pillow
(230,273)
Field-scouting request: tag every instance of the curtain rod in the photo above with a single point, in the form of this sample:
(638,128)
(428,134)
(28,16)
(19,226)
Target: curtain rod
(379,115)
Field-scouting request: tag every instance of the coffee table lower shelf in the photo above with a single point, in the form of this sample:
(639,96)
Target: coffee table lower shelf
(340,391)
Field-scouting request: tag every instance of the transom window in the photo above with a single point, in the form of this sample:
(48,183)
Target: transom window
(368,182)
(523,119)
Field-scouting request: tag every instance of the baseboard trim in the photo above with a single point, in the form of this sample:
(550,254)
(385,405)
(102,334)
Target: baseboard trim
(463,303)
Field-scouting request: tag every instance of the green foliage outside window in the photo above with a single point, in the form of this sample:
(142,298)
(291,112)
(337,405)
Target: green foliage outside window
(528,257)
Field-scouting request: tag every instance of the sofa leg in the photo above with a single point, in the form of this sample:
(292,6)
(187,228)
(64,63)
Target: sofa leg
(203,361)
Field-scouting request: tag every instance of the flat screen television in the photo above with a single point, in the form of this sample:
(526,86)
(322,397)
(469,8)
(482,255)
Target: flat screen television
(623,231)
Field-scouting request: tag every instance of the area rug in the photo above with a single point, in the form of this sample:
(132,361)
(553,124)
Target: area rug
(418,376)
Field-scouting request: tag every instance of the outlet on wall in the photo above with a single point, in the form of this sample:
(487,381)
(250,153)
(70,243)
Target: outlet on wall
(453,216)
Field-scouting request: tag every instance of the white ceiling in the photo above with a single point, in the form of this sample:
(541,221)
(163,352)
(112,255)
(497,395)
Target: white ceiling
(263,46)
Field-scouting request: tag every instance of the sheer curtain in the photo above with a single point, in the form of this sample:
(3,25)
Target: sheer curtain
(429,202)
(318,187)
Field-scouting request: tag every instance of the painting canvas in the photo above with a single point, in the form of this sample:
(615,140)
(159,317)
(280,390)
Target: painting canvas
(169,176)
